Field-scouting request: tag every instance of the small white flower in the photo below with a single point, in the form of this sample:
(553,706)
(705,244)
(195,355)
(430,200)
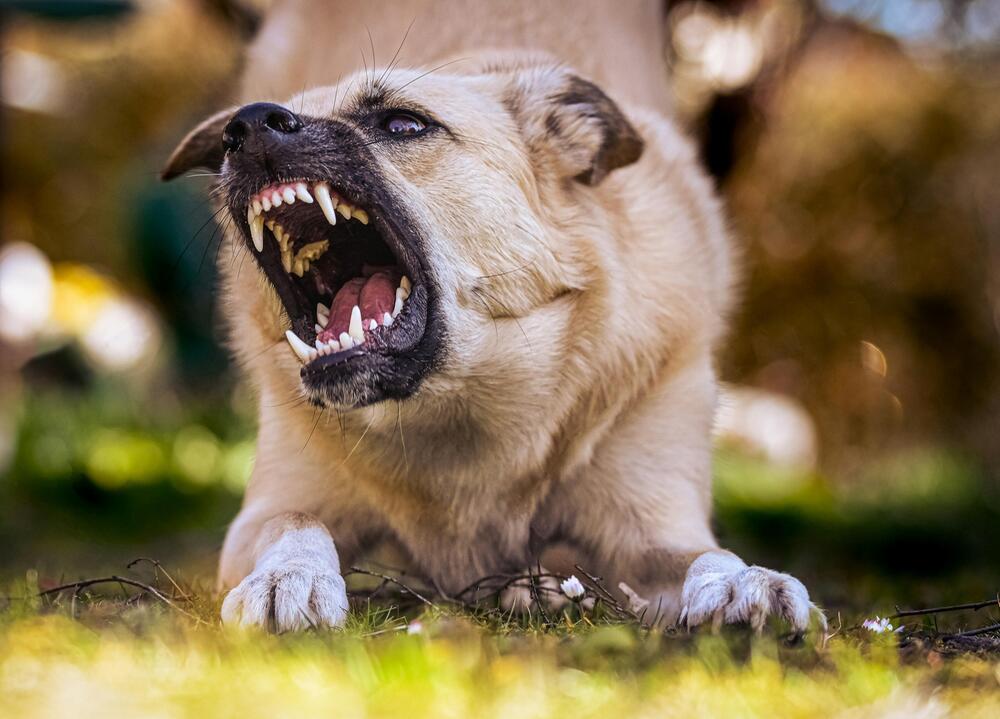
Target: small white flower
(415,627)
(572,588)
(878,625)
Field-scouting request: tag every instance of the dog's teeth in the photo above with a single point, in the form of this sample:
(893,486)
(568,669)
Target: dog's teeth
(372,324)
(344,209)
(288,195)
(276,199)
(257,232)
(322,312)
(386,319)
(405,284)
(399,302)
(304,352)
(361,216)
(346,341)
(318,327)
(265,203)
(302,192)
(325,202)
(257,207)
(356,330)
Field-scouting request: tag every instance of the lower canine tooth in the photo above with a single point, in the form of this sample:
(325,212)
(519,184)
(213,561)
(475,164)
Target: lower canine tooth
(303,351)
(355,329)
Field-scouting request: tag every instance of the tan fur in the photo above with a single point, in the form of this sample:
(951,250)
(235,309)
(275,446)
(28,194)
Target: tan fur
(578,391)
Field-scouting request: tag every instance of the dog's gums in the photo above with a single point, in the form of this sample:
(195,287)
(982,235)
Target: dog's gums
(358,293)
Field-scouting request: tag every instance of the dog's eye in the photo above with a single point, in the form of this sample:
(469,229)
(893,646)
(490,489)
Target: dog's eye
(400,123)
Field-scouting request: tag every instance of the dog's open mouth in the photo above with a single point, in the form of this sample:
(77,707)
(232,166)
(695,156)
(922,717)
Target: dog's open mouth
(341,270)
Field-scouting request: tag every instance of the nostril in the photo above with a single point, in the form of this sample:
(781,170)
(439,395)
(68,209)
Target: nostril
(233,135)
(281,120)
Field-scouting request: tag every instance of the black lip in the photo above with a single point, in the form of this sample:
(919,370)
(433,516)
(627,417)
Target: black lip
(391,364)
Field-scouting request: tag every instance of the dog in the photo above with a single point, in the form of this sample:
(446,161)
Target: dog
(478,294)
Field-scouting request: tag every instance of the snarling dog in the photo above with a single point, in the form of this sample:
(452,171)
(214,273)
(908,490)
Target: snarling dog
(480,308)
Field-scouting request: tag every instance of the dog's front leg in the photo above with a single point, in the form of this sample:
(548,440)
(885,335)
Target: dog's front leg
(295,582)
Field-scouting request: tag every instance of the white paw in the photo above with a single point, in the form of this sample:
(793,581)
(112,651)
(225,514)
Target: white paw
(296,585)
(721,588)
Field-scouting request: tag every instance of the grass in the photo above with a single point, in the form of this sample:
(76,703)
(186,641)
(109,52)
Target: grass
(103,654)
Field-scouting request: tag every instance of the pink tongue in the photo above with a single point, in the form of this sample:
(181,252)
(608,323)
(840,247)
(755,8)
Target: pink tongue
(376,295)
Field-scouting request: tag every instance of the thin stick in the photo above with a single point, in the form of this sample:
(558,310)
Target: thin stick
(981,630)
(973,606)
(158,566)
(122,580)
(386,577)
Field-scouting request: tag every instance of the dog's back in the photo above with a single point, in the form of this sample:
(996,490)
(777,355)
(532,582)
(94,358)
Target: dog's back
(306,43)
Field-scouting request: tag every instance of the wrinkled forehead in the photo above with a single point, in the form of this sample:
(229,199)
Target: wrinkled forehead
(448,97)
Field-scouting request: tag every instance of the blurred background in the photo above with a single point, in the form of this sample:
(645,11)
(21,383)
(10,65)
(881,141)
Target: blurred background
(856,143)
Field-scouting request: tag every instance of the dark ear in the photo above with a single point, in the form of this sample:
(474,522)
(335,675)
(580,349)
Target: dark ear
(202,147)
(573,125)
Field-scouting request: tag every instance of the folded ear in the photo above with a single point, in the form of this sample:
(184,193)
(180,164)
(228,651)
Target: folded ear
(571,124)
(202,147)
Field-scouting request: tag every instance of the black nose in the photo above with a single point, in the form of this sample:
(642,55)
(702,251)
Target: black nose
(259,121)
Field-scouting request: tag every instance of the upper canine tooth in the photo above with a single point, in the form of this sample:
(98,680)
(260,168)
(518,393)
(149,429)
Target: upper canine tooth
(302,192)
(361,216)
(257,232)
(405,284)
(303,351)
(355,329)
(344,209)
(276,198)
(325,203)
(288,194)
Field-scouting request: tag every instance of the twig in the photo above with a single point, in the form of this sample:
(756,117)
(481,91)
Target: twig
(77,586)
(973,606)
(157,566)
(398,583)
(981,630)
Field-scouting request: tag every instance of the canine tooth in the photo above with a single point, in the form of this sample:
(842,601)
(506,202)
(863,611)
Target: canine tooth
(303,351)
(266,202)
(288,195)
(302,192)
(399,302)
(405,284)
(276,198)
(257,232)
(372,324)
(344,209)
(325,203)
(386,320)
(361,216)
(356,330)
(257,207)
(346,341)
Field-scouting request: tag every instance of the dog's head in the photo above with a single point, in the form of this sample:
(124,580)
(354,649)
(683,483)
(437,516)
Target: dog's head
(378,209)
